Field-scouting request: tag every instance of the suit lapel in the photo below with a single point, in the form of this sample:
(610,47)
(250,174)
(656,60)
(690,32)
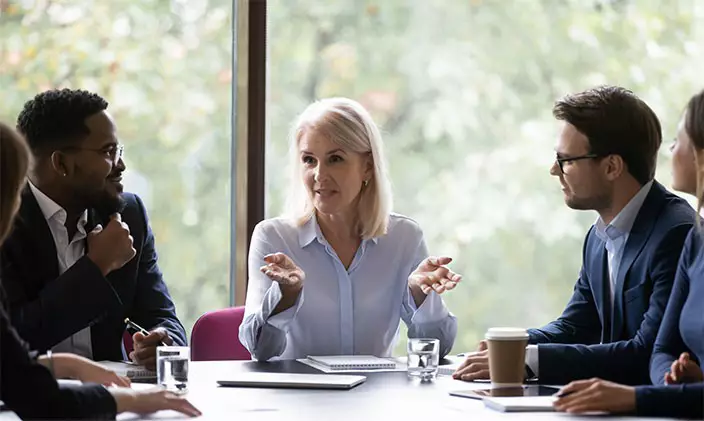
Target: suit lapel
(637,238)
(599,262)
(32,230)
(97,330)
(93,220)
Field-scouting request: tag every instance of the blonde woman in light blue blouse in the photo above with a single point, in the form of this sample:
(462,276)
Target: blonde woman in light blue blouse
(338,276)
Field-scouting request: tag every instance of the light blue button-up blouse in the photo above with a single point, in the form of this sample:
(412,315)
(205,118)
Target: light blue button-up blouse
(340,311)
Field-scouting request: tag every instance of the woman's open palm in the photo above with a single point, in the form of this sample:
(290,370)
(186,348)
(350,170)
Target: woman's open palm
(280,268)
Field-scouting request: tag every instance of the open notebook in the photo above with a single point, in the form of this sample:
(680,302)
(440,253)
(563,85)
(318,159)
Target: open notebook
(129,370)
(353,362)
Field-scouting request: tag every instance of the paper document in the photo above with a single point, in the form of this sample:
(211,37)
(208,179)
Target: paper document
(129,370)
(447,370)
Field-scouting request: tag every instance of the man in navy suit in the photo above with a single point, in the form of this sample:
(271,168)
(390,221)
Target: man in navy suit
(81,256)
(606,156)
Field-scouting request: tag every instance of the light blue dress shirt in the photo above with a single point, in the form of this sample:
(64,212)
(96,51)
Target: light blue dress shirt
(614,235)
(340,311)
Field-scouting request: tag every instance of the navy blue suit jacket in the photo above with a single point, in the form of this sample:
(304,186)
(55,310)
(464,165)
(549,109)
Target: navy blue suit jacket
(46,308)
(682,328)
(681,401)
(681,331)
(591,340)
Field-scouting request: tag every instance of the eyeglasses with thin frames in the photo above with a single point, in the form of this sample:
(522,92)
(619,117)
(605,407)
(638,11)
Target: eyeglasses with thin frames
(114,152)
(561,161)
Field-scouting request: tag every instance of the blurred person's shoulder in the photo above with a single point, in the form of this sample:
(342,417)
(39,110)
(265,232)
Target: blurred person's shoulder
(695,240)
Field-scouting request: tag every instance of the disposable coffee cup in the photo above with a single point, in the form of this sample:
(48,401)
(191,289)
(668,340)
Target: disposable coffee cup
(507,353)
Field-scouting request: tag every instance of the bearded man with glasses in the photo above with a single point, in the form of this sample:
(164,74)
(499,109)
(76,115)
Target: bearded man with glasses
(606,155)
(81,256)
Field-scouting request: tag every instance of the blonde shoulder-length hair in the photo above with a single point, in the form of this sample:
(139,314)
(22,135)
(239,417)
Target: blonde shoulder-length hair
(347,124)
(14,162)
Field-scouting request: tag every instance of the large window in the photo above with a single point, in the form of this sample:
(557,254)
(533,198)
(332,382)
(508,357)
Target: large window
(461,88)
(463,91)
(165,69)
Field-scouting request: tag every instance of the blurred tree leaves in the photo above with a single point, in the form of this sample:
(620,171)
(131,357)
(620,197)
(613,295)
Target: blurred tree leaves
(164,67)
(463,91)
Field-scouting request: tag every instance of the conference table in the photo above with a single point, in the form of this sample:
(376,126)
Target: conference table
(383,396)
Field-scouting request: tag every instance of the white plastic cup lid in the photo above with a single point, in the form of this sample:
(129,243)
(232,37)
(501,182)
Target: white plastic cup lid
(506,333)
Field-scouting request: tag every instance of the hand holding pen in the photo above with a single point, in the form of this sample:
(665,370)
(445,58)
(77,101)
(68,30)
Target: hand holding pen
(595,395)
(145,344)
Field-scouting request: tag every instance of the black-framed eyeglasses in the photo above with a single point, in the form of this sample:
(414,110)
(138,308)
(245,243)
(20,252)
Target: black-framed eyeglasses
(113,152)
(561,161)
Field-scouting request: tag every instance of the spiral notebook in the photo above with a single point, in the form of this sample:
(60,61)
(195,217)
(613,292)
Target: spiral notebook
(129,370)
(353,362)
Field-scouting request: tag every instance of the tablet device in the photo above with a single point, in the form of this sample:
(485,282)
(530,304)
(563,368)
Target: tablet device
(531,398)
(507,392)
(293,381)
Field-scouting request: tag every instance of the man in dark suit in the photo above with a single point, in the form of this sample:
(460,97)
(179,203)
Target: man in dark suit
(606,156)
(81,255)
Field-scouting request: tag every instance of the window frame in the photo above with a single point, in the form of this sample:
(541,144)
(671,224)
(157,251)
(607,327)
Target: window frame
(247,184)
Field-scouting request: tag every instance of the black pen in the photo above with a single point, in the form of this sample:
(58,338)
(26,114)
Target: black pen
(139,328)
(563,394)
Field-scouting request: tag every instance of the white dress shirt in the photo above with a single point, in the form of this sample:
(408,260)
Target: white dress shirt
(340,311)
(614,235)
(68,252)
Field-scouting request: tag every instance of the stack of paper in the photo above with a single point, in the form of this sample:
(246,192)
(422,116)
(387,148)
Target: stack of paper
(129,370)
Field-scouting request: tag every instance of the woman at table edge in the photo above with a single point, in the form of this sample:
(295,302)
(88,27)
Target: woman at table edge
(678,384)
(27,385)
(340,272)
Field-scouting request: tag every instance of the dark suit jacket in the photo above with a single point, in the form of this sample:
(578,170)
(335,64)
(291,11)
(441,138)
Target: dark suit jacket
(46,308)
(30,390)
(591,340)
(681,401)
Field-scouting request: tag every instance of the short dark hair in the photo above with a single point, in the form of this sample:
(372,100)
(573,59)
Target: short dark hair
(56,118)
(616,122)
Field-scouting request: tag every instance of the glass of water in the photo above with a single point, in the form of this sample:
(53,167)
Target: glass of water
(423,358)
(172,367)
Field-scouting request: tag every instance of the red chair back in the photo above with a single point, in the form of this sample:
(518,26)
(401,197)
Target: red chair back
(127,342)
(215,336)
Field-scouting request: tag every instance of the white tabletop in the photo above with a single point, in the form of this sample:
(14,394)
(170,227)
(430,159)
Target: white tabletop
(384,396)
